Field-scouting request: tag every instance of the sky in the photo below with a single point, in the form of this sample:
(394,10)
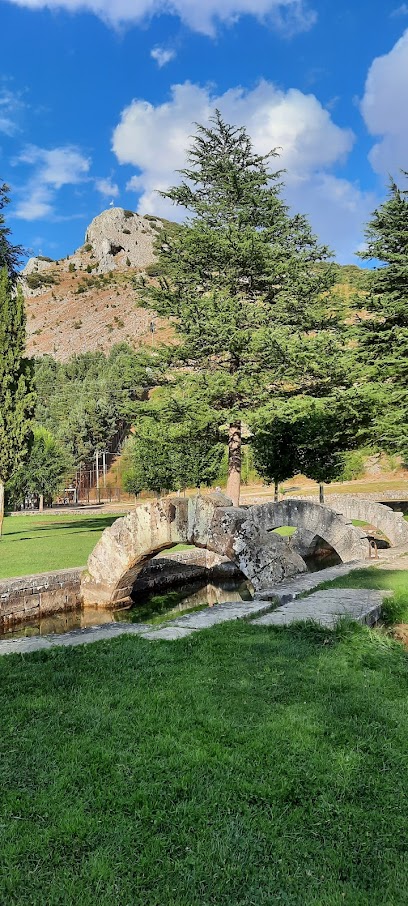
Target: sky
(98,101)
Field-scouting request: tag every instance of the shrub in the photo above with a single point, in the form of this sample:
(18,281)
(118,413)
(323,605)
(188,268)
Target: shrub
(128,214)
(71,267)
(127,232)
(34,281)
(154,270)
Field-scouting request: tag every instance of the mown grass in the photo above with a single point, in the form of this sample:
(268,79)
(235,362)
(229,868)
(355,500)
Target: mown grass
(35,544)
(243,765)
(395,609)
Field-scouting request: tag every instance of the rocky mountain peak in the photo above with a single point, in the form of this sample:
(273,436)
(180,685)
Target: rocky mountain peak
(119,238)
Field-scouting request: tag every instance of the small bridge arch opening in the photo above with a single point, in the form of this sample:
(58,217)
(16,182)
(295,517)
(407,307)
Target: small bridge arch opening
(312,527)
(391,525)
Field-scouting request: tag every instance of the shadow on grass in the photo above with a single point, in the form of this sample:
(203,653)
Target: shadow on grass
(245,764)
(91,525)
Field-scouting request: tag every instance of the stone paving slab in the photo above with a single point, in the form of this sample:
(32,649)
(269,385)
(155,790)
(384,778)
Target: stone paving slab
(167,633)
(76,637)
(221,613)
(288,591)
(177,629)
(328,607)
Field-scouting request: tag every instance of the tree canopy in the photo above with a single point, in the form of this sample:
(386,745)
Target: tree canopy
(43,472)
(176,443)
(10,255)
(87,400)
(16,394)
(384,336)
(246,284)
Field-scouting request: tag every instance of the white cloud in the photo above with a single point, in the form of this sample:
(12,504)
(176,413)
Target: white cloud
(162,55)
(337,210)
(11,105)
(385,109)
(107,188)
(53,168)
(154,141)
(200,15)
(400,10)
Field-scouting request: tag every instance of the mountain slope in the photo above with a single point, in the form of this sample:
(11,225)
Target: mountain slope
(88,301)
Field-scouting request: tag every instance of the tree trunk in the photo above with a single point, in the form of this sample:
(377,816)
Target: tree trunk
(41,503)
(234,462)
(1,507)
(321,492)
(276,494)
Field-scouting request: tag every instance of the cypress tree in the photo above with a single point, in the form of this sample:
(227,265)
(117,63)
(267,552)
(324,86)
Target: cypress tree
(244,282)
(16,396)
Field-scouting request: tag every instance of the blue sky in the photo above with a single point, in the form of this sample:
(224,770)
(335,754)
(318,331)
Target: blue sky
(98,100)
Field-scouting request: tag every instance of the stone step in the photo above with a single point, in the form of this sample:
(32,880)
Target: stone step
(328,607)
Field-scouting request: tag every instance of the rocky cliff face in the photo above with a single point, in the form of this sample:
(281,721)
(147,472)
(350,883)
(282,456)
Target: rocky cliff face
(88,300)
(118,236)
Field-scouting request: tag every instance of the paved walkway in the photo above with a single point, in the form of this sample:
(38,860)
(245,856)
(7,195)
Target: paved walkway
(324,607)
(176,629)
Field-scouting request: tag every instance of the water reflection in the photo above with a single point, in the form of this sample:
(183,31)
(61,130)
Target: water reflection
(154,608)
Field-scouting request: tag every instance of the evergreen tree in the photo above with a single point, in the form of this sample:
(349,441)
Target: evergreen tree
(10,255)
(16,396)
(45,468)
(244,283)
(176,443)
(384,337)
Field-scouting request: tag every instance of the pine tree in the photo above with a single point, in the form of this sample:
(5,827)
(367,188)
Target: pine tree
(245,284)
(10,255)
(16,396)
(384,337)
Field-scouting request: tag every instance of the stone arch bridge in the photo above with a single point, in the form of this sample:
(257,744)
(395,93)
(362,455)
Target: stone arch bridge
(391,523)
(243,534)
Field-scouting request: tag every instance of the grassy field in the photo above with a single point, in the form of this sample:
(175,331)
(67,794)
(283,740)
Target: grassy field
(243,765)
(35,544)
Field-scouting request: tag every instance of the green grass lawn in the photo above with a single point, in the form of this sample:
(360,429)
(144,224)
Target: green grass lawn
(243,765)
(35,544)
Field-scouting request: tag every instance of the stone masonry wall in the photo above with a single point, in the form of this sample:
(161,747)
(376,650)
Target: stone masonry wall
(33,597)
(29,598)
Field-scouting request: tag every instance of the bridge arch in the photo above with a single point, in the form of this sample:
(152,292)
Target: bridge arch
(244,535)
(312,520)
(392,524)
(206,522)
